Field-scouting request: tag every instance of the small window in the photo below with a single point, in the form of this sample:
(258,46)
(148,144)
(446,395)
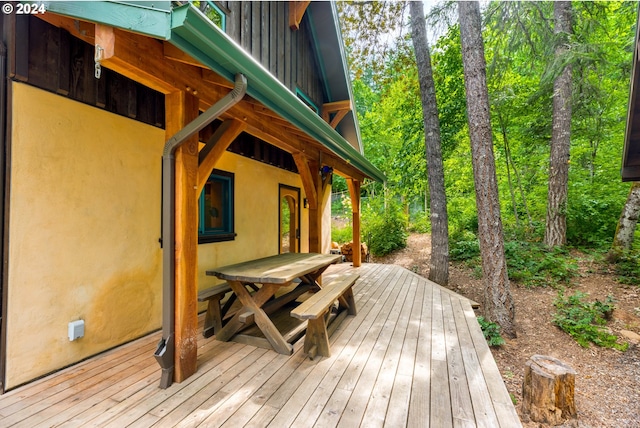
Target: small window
(305,99)
(217,209)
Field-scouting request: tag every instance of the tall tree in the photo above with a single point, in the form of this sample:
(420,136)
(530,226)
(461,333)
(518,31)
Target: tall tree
(439,264)
(623,238)
(498,302)
(556,225)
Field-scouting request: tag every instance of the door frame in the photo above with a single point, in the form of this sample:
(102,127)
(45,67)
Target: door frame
(294,192)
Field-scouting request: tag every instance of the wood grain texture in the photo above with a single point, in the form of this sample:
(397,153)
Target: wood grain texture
(383,369)
(182,108)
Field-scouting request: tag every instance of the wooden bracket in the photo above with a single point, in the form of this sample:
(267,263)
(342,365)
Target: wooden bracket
(308,181)
(211,153)
(296,12)
(339,109)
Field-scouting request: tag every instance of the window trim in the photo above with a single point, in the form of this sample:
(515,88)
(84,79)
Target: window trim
(228,234)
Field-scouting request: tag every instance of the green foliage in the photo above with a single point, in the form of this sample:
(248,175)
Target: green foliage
(529,263)
(465,247)
(342,235)
(627,268)
(585,321)
(491,332)
(534,265)
(519,49)
(384,226)
(420,223)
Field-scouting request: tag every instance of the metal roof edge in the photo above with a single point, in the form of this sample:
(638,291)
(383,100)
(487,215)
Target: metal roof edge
(196,35)
(148,21)
(345,65)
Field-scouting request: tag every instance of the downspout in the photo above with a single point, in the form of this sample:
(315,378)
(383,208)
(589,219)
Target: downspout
(164,353)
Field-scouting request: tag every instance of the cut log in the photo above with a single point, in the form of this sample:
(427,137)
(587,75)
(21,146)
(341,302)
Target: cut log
(347,251)
(548,390)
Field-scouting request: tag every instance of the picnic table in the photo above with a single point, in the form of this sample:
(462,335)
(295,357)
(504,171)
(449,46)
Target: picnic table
(272,273)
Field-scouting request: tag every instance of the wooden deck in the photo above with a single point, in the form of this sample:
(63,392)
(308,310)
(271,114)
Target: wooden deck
(413,356)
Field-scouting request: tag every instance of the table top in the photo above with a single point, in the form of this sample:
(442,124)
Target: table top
(278,269)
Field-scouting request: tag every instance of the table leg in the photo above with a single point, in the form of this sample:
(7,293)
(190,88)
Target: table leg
(254,304)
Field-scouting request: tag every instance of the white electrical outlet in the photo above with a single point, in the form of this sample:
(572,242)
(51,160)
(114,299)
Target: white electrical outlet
(76,329)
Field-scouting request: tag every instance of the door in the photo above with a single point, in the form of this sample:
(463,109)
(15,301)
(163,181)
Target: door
(289,219)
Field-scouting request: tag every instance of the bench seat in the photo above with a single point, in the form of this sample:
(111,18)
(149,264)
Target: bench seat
(213,318)
(215,315)
(316,309)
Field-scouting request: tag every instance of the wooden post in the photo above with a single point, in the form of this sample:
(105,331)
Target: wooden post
(354,192)
(315,212)
(548,390)
(182,108)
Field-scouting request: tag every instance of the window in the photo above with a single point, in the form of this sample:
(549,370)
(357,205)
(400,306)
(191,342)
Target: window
(216,209)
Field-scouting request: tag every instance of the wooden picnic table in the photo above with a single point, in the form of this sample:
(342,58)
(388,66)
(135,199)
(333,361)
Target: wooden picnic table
(272,273)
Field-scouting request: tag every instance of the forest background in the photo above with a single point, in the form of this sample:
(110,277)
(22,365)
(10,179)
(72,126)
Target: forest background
(521,68)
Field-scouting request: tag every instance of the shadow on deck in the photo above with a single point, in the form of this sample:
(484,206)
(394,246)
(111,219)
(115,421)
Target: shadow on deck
(413,356)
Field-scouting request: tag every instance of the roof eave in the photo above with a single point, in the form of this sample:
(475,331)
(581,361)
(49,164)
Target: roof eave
(196,35)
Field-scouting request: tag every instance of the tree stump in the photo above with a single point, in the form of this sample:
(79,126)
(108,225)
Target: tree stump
(548,390)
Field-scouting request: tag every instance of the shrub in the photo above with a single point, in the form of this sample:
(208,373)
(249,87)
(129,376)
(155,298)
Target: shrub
(464,246)
(384,227)
(534,265)
(627,268)
(341,235)
(585,321)
(420,223)
(491,332)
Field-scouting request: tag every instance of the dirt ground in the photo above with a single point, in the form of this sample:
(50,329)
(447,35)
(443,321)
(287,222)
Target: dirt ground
(607,391)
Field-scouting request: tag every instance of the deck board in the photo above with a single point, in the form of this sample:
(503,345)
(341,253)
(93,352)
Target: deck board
(413,356)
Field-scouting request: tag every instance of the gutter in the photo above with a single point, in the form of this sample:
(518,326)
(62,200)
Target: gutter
(165,352)
(194,34)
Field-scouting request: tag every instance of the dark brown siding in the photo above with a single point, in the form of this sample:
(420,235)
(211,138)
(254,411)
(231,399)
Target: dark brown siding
(262,29)
(50,58)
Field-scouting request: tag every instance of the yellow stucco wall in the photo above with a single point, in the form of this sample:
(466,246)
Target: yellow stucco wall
(256,216)
(84,228)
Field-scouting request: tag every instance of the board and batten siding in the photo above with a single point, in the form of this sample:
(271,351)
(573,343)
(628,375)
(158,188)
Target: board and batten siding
(262,29)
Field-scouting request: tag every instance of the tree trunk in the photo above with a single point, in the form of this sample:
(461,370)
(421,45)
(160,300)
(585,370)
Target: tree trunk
(556,227)
(548,390)
(507,158)
(498,302)
(439,268)
(626,224)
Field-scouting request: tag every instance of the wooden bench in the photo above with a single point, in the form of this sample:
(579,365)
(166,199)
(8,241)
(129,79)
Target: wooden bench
(317,310)
(215,312)
(213,318)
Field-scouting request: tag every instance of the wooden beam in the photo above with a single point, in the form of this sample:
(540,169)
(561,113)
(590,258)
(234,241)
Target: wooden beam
(340,108)
(181,108)
(84,31)
(123,56)
(337,118)
(354,192)
(337,105)
(211,153)
(309,178)
(315,212)
(174,53)
(211,77)
(296,12)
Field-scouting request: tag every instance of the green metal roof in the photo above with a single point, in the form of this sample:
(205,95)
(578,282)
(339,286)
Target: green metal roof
(193,33)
